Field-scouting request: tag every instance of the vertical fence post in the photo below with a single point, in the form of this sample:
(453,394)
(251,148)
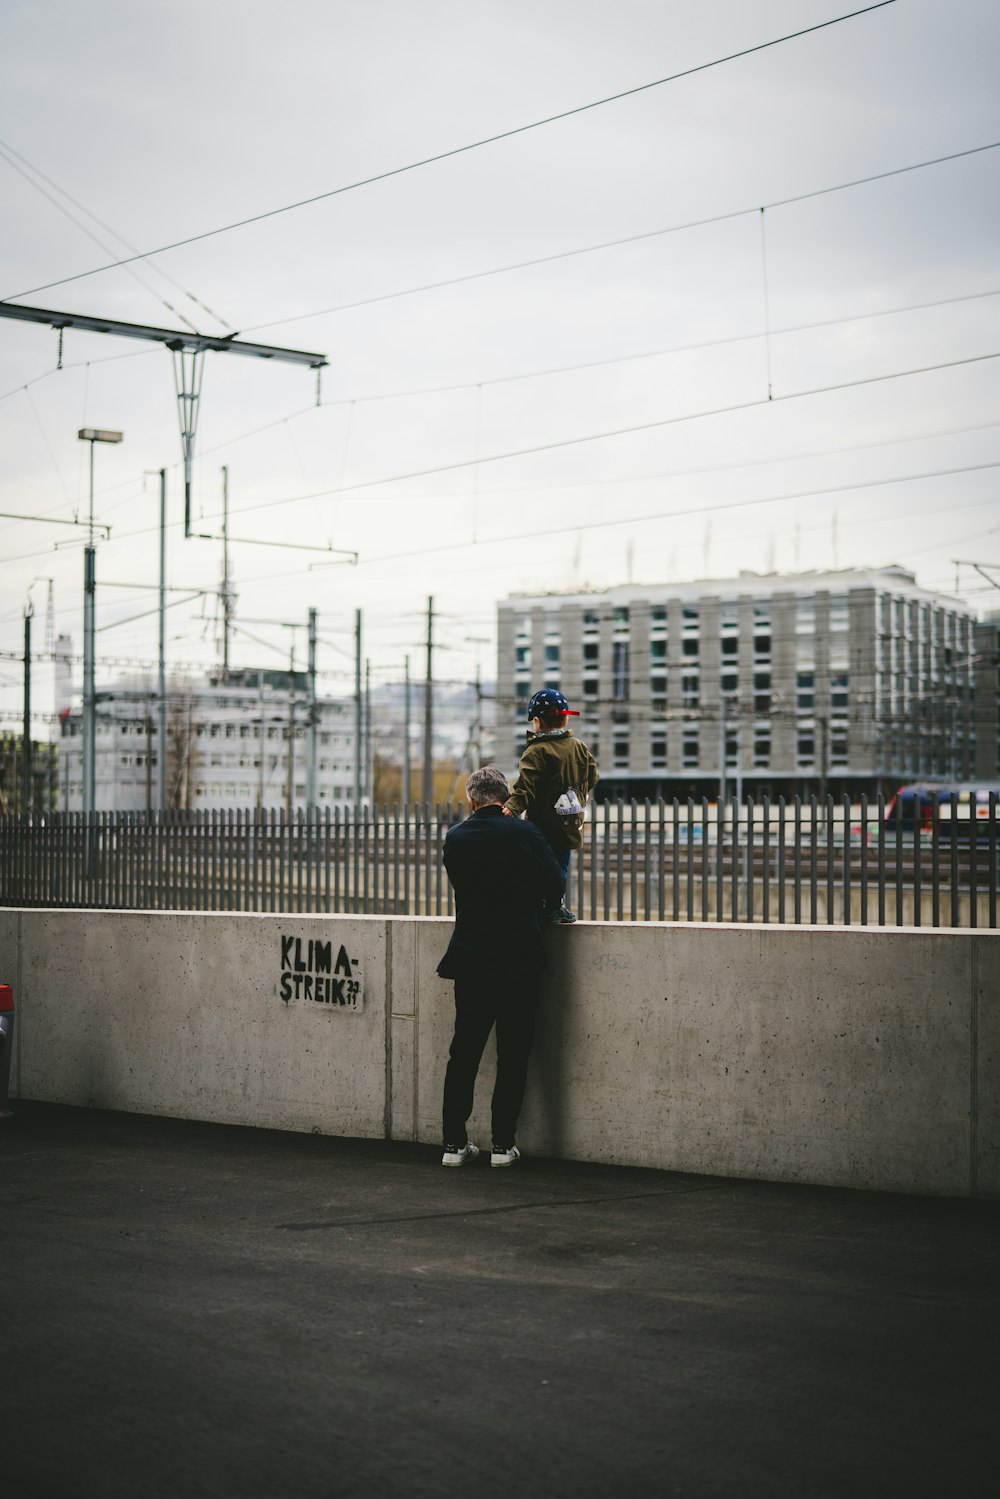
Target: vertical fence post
(781,859)
(881,859)
(748,891)
(956,907)
(365,857)
(645,859)
(845,812)
(917,860)
(973,850)
(675,861)
(935,858)
(324,856)
(765,894)
(273,833)
(593,865)
(720,848)
(105,858)
(734,861)
(376,859)
(689,858)
(619,857)
(864,859)
(831,863)
(797,860)
(813,858)
(992,851)
(704,859)
(339,904)
(605,860)
(899,861)
(632,863)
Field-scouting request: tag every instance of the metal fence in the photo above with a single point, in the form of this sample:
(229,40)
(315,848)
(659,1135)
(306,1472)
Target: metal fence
(768,861)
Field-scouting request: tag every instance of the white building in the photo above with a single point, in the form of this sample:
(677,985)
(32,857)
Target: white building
(239,742)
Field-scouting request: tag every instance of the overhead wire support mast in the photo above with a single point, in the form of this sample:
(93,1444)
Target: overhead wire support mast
(188,350)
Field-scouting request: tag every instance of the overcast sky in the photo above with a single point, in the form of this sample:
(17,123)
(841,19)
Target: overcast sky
(167,120)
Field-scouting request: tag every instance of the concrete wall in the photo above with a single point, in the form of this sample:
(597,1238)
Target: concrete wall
(859,1057)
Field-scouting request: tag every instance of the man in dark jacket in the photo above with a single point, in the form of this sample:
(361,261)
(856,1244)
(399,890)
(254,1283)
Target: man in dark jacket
(503,872)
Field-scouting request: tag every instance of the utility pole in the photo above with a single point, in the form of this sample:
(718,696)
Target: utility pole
(313,714)
(92,435)
(26,774)
(429,709)
(290,757)
(369,758)
(357,710)
(407,773)
(161,664)
(821,724)
(477,740)
(227,603)
(89,704)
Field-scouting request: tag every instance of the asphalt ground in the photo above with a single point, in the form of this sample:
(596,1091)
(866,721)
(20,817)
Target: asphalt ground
(192,1309)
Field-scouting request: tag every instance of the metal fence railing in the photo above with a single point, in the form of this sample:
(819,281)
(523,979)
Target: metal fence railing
(818,861)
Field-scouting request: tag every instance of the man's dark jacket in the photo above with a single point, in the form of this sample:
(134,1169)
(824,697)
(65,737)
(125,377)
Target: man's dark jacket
(503,872)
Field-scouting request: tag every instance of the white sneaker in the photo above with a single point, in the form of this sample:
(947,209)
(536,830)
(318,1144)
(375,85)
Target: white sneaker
(453,1156)
(504,1157)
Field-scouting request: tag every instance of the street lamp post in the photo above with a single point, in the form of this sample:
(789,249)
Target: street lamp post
(91,435)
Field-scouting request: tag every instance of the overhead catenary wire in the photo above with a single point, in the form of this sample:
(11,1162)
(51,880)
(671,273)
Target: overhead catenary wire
(592,364)
(48,445)
(568,442)
(454,151)
(30,172)
(631,239)
(659,422)
(77,364)
(61,208)
(538,374)
(524,375)
(417,391)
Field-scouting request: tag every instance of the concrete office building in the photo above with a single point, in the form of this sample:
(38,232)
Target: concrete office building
(234,742)
(840,681)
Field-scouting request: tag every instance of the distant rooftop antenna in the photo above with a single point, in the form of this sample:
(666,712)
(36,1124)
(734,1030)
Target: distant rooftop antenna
(577,557)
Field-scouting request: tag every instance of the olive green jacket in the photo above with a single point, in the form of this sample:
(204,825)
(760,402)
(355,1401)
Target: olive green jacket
(551,764)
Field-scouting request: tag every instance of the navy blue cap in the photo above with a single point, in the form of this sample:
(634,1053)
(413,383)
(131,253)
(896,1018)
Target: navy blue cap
(549,701)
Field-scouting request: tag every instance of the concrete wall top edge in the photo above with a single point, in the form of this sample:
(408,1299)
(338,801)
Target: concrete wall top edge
(733,928)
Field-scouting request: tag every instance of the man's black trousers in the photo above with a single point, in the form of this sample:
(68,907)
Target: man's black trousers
(479,1005)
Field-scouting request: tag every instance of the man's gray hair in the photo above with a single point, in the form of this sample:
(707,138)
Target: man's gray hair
(487,785)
